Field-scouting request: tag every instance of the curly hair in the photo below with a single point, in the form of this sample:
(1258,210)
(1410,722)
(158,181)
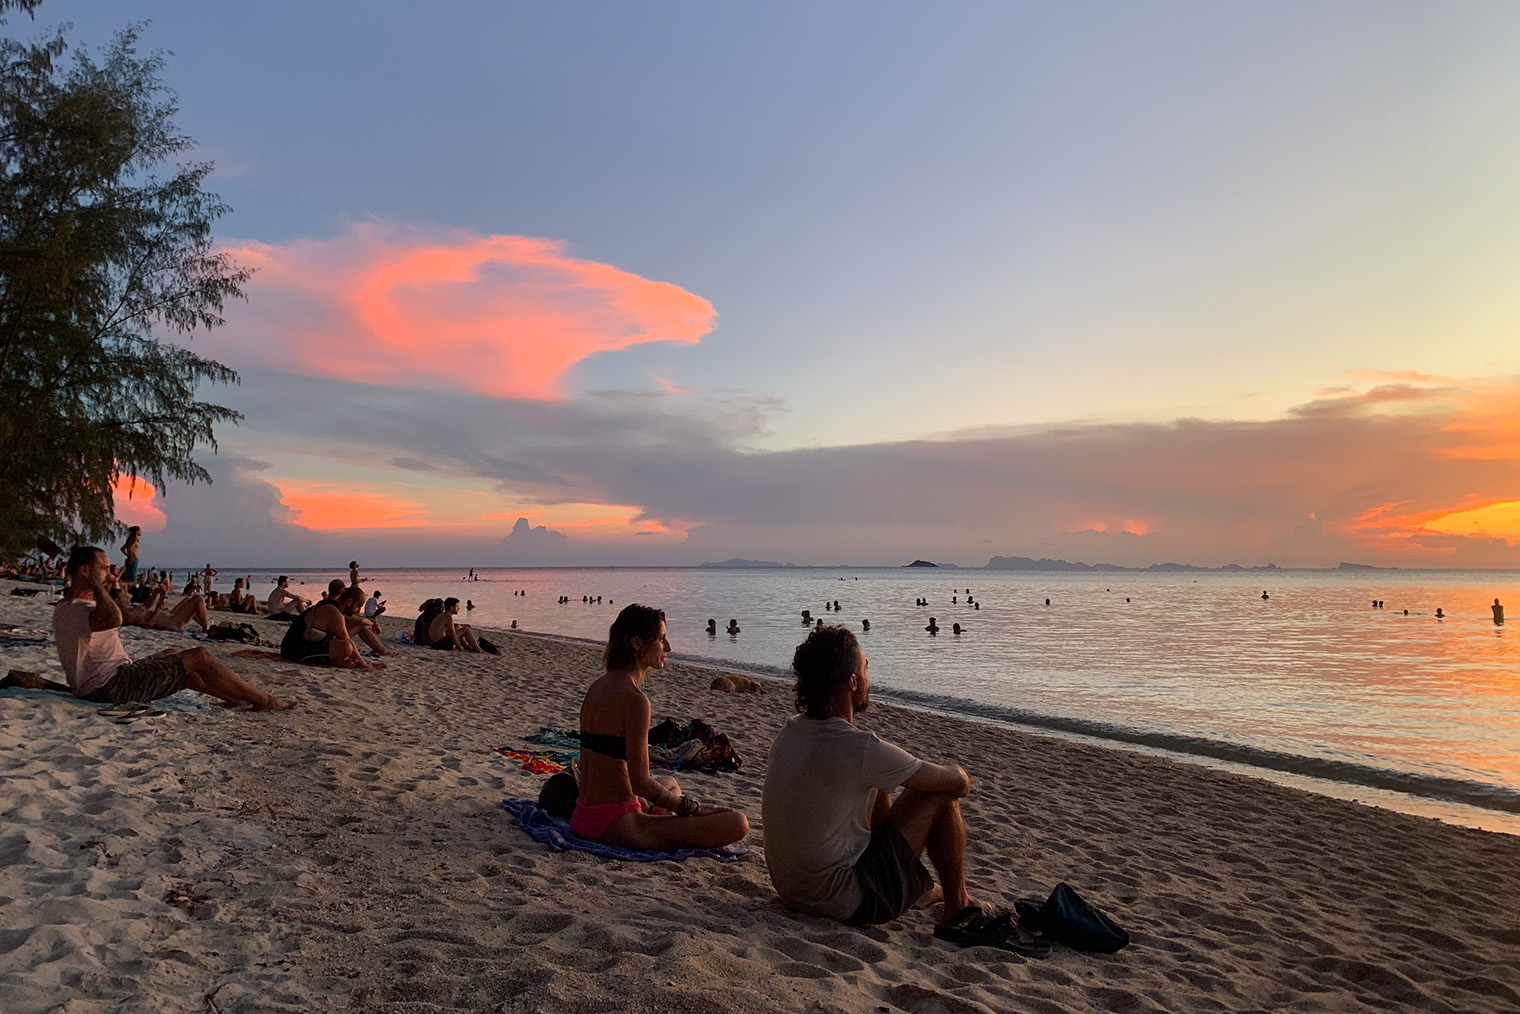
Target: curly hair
(634,621)
(822,664)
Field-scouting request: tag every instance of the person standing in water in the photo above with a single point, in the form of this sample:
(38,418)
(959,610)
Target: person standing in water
(1498,608)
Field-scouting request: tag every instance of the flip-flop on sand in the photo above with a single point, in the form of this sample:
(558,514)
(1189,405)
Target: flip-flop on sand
(972,928)
(126,714)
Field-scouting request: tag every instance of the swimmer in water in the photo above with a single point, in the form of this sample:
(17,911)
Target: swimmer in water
(933,627)
(712,628)
(733,627)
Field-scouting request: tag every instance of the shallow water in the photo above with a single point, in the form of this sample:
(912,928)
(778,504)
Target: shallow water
(1310,682)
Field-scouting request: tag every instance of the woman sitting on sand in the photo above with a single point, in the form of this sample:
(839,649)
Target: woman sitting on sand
(614,758)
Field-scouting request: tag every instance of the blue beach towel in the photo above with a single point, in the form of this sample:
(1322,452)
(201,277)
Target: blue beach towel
(555,833)
(185,700)
(20,641)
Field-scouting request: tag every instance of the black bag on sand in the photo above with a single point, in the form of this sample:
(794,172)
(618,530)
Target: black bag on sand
(1067,919)
(487,647)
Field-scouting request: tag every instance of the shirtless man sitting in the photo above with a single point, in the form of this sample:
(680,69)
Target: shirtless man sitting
(365,630)
(284,604)
(443,633)
(321,634)
(98,667)
(836,843)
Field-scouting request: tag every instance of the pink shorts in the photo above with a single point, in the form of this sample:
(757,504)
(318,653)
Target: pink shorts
(591,822)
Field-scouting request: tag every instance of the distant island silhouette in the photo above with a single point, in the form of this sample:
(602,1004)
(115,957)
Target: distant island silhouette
(741,562)
(1026,563)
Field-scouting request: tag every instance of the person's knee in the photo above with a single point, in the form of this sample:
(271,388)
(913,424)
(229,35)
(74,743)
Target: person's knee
(197,656)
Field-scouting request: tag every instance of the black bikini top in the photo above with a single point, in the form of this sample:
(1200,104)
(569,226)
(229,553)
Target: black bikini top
(615,747)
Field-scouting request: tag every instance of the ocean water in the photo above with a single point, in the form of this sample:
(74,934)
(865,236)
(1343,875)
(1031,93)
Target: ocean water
(1311,685)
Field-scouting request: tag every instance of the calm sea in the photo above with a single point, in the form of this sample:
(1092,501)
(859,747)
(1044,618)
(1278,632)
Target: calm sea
(1311,685)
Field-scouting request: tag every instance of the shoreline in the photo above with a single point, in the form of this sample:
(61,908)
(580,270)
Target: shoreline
(350,856)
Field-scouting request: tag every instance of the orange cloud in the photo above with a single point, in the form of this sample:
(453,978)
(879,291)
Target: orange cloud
(504,316)
(133,502)
(320,508)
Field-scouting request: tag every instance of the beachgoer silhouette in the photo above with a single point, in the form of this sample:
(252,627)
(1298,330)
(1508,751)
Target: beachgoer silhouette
(469,604)
(1406,612)
(979,605)
(1265,596)
(865,624)
(514,624)
(827,605)
(932,628)
(733,626)
(1047,602)
(712,628)
(807,617)
(1439,614)
(836,605)
(1498,609)
(955,628)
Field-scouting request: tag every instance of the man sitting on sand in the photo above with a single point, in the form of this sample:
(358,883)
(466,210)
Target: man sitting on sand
(97,666)
(446,635)
(365,630)
(320,635)
(836,843)
(284,604)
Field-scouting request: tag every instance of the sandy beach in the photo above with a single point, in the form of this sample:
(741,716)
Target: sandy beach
(351,855)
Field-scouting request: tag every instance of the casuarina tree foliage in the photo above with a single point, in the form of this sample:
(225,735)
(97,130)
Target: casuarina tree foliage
(105,250)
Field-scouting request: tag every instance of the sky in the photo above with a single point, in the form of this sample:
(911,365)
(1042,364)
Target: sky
(853,283)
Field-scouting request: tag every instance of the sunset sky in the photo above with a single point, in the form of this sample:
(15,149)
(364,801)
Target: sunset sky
(854,282)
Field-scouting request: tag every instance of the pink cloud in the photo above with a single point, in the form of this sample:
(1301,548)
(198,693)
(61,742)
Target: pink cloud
(135,503)
(504,316)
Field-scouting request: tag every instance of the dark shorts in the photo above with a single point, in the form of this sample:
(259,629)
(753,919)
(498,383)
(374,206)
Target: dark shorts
(143,681)
(890,874)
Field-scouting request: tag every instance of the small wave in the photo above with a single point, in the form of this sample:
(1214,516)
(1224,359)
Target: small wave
(1455,790)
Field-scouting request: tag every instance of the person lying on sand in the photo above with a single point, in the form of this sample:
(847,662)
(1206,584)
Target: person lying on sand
(614,756)
(446,635)
(836,843)
(320,635)
(191,607)
(97,666)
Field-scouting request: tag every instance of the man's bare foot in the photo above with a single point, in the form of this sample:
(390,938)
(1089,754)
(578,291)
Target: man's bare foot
(933,896)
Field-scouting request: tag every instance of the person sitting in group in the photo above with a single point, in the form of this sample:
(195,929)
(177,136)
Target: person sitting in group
(446,635)
(192,586)
(364,629)
(98,668)
(425,614)
(320,634)
(241,601)
(620,802)
(284,604)
(373,606)
(836,843)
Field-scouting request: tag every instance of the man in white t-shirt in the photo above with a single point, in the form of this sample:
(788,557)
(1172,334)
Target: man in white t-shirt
(98,667)
(836,843)
(374,605)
